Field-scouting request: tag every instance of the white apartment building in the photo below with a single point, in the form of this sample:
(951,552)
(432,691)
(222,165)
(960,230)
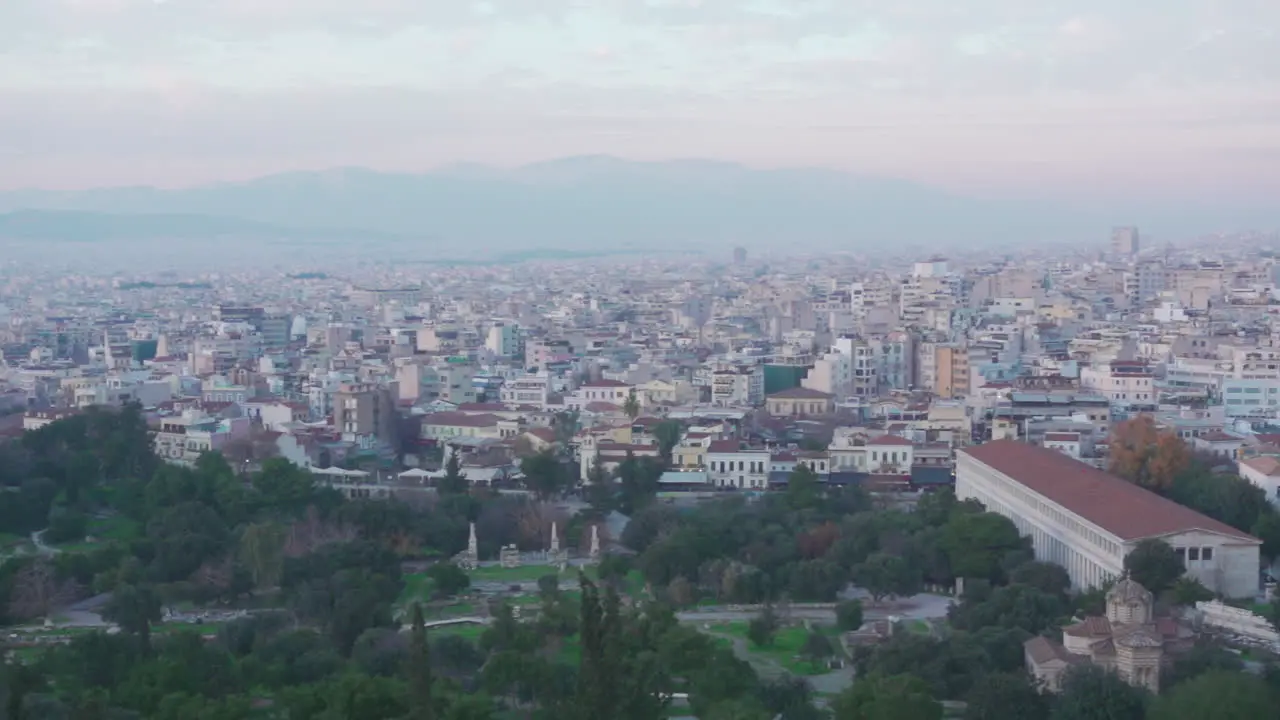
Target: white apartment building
(503,340)
(1087,520)
(739,385)
(831,374)
(528,389)
(1251,362)
(1258,398)
(608,391)
(1125,383)
(730,465)
(856,450)
(1263,471)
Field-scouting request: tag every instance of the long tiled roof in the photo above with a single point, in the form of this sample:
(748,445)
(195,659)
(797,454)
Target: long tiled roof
(1113,504)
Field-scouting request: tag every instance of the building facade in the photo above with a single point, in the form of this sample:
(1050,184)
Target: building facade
(1087,520)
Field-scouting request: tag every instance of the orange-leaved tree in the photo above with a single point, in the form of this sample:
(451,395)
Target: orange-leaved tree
(1142,453)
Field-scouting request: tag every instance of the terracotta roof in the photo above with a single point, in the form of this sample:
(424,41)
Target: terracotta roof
(889,440)
(724,446)
(801,393)
(600,406)
(457,419)
(1217,436)
(544,434)
(1091,627)
(1043,650)
(1062,437)
(1266,465)
(481,407)
(1119,507)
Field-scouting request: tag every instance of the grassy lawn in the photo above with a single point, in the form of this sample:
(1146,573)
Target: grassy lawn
(524,573)
(785,651)
(918,627)
(466,631)
(116,527)
(417,588)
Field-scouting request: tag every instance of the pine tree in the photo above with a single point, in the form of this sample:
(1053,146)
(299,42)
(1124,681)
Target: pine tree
(420,680)
(454,481)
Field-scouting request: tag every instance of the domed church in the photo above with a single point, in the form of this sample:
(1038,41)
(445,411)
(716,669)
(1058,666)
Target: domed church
(1129,640)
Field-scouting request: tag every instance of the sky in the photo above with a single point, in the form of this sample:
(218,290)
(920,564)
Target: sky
(1160,98)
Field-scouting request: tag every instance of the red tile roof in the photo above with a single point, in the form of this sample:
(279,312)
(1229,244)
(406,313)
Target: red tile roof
(1266,465)
(481,407)
(605,384)
(889,440)
(1113,504)
(800,393)
(1215,436)
(724,446)
(1062,437)
(600,406)
(457,419)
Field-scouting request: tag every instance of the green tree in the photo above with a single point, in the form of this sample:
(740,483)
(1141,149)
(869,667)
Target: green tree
(1090,692)
(802,488)
(1045,577)
(849,615)
(761,628)
(817,647)
(1202,658)
(454,481)
(631,406)
(1220,695)
(884,575)
(978,545)
(1187,591)
(1267,529)
(262,552)
(1006,696)
(897,697)
(1154,564)
(1012,606)
(134,608)
(637,483)
(599,678)
(667,433)
(545,475)
(421,700)
(448,578)
(739,709)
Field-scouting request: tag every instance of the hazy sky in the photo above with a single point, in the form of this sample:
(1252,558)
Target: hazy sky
(1162,97)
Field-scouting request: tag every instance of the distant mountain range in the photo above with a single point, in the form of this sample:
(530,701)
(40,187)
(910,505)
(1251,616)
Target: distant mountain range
(586,204)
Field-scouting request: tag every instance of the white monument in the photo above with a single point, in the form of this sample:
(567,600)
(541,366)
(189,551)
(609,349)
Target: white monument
(595,543)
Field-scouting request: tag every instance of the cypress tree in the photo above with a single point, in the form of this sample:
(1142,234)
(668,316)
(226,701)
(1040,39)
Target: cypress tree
(591,682)
(421,705)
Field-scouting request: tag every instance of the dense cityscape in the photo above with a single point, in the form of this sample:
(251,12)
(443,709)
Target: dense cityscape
(1016,484)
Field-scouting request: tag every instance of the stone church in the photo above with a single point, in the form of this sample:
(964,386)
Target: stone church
(1129,640)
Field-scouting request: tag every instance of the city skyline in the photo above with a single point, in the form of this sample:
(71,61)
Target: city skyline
(1087,100)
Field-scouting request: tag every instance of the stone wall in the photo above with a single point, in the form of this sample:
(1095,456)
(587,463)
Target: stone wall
(1247,624)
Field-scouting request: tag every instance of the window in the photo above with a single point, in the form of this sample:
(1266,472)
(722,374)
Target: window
(1193,553)
(1206,554)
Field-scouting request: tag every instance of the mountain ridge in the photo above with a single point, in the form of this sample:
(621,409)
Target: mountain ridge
(585,202)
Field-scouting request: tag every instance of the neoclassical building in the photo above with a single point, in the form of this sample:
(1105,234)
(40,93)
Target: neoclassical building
(1087,520)
(1129,640)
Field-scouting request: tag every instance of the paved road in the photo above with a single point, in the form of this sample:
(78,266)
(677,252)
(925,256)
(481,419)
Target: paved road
(919,607)
(37,539)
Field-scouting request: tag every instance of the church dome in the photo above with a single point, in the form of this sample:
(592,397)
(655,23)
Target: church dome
(1129,591)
